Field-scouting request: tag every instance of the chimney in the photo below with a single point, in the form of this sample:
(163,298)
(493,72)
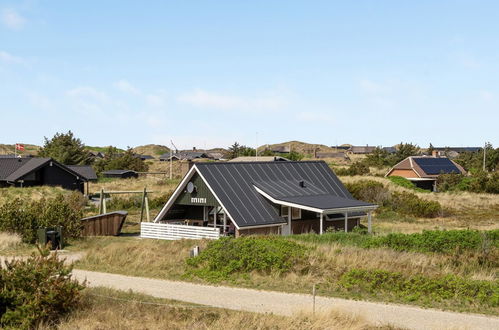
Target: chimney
(193,148)
(302,184)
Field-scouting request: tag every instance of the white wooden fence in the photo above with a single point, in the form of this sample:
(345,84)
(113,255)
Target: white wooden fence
(174,232)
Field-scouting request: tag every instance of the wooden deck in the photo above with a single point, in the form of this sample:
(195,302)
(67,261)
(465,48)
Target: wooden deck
(107,224)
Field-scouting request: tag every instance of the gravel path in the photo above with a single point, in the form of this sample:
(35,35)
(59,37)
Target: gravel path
(287,303)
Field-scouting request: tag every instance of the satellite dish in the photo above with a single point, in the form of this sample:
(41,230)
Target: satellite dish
(191,188)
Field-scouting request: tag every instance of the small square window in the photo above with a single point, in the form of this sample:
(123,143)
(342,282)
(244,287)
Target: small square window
(284,211)
(295,213)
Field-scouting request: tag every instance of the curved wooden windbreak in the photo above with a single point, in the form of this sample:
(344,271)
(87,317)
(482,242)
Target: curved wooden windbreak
(107,224)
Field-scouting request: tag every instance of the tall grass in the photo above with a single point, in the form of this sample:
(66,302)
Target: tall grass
(110,309)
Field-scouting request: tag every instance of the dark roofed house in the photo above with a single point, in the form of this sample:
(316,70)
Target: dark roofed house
(259,159)
(85,171)
(143,157)
(361,149)
(264,198)
(121,174)
(453,152)
(339,155)
(28,172)
(184,155)
(423,171)
(390,150)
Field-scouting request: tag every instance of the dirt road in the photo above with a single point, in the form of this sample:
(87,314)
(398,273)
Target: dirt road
(287,303)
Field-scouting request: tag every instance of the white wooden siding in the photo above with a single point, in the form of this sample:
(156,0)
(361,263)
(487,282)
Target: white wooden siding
(175,232)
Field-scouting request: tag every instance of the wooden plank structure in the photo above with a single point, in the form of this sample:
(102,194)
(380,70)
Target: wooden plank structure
(107,224)
(176,232)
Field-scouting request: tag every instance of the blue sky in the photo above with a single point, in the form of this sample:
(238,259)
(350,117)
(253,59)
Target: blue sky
(208,73)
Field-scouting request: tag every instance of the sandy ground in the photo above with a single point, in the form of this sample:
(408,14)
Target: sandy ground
(286,304)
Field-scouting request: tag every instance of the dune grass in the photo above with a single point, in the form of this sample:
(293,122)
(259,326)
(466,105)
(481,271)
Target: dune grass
(324,266)
(110,309)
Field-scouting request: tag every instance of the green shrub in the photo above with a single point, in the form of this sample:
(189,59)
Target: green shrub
(479,182)
(369,191)
(25,217)
(403,182)
(422,288)
(38,289)
(357,168)
(227,256)
(410,204)
(441,241)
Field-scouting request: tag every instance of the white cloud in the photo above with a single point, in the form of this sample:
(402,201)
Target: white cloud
(86,92)
(12,19)
(205,99)
(9,58)
(125,86)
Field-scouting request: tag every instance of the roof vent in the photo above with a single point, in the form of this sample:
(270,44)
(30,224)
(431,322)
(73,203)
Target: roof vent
(302,184)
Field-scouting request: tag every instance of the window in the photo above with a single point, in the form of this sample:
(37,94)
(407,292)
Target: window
(295,213)
(284,211)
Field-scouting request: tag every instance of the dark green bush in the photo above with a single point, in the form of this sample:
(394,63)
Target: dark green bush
(357,168)
(25,217)
(403,182)
(38,289)
(441,241)
(422,288)
(228,256)
(369,191)
(401,202)
(479,182)
(410,204)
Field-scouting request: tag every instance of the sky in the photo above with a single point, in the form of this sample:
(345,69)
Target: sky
(208,73)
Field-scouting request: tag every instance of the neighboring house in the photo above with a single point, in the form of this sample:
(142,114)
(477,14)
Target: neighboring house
(453,152)
(259,159)
(121,174)
(423,171)
(361,149)
(29,172)
(340,155)
(184,155)
(264,198)
(390,150)
(96,154)
(143,157)
(216,155)
(85,171)
(281,149)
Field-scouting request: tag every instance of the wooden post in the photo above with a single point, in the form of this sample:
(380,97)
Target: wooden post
(321,224)
(369,224)
(225,223)
(146,199)
(215,217)
(313,294)
(143,204)
(100,200)
(289,221)
(346,222)
(104,205)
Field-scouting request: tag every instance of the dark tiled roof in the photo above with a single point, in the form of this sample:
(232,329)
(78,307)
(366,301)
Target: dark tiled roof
(234,184)
(30,165)
(85,171)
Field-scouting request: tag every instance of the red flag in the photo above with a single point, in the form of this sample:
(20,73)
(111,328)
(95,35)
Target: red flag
(19,146)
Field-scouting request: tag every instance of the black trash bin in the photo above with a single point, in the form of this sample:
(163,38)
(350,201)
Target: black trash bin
(51,237)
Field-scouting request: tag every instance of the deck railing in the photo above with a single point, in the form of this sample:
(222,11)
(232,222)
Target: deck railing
(175,232)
